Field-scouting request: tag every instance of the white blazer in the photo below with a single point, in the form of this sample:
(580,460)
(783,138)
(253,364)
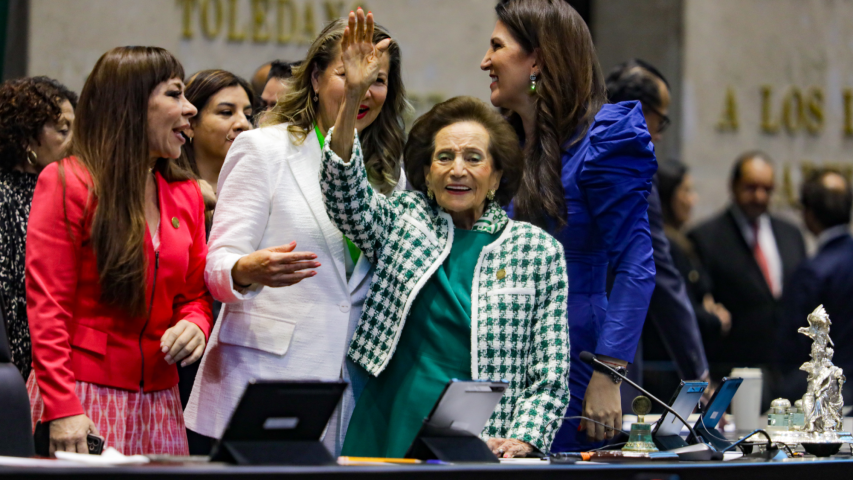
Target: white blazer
(269,195)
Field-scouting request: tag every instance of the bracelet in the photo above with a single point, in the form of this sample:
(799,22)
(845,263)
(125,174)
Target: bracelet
(602,369)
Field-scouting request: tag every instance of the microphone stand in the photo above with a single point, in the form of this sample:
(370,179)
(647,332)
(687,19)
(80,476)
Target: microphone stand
(699,451)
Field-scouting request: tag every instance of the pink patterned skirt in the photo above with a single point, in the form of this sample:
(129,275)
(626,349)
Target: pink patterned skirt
(131,422)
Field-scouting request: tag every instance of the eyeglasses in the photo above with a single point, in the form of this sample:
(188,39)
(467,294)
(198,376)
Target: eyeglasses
(664,120)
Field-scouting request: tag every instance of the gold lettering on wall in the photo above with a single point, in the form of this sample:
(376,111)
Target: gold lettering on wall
(792,110)
(729,119)
(767,123)
(286,11)
(296,21)
(813,111)
(848,111)
(234,34)
(334,9)
(309,32)
(211,31)
(186,17)
(260,10)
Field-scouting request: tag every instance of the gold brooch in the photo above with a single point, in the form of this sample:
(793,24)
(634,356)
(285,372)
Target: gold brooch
(501,274)
(175,222)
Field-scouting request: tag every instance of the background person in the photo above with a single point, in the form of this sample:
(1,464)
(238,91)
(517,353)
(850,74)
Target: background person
(260,77)
(588,171)
(36,117)
(115,262)
(224,103)
(269,204)
(276,86)
(749,255)
(468,279)
(826,279)
(677,200)
(673,331)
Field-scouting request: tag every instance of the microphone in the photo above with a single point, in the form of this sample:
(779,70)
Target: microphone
(700,451)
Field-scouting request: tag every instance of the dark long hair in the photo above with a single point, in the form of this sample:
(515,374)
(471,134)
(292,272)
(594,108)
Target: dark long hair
(569,93)
(383,140)
(201,86)
(111,141)
(671,174)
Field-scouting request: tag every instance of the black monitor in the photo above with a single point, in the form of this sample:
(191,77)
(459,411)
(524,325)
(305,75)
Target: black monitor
(706,426)
(451,431)
(280,423)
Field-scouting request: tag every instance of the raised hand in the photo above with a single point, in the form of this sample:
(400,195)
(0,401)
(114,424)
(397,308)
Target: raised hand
(360,56)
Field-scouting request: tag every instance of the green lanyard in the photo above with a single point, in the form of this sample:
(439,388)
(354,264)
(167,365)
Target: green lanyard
(354,252)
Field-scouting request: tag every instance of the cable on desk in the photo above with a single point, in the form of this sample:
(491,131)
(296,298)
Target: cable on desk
(742,440)
(581,417)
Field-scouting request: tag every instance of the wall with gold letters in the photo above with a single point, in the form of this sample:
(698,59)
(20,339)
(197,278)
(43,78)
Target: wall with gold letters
(775,75)
(443,41)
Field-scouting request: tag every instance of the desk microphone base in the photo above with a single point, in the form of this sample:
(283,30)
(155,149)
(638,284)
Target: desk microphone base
(697,452)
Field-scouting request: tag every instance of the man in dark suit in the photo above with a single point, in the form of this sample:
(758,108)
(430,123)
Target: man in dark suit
(826,279)
(749,255)
(671,322)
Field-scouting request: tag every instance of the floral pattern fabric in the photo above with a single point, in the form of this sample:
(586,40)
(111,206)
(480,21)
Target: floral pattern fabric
(16,197)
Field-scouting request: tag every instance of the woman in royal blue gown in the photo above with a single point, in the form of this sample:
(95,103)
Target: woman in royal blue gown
(587,178)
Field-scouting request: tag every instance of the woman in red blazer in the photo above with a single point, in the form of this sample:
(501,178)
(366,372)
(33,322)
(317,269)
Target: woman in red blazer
(115,264)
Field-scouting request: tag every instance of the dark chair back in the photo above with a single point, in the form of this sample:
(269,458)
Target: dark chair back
(16,439)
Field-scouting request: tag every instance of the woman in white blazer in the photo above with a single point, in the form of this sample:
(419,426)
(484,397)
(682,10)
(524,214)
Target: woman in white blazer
(269,205)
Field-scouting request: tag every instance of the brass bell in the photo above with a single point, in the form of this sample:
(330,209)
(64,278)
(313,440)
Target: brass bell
(641,432)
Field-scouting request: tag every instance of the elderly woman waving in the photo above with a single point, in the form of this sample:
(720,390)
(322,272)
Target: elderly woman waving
(460,291)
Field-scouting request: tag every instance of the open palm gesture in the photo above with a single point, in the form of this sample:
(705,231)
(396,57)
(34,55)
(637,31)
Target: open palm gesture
(360,56)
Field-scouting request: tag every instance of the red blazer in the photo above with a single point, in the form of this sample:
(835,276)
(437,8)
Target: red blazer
(75,336)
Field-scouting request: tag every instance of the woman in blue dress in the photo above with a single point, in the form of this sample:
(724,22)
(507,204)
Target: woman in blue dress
(587,177)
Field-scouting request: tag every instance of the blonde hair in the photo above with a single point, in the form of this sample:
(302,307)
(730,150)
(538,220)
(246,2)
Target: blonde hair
(383,140)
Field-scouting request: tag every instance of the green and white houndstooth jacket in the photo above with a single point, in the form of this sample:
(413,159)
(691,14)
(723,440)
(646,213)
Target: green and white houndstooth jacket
(518,317)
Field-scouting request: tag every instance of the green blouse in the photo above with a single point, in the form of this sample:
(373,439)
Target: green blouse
(434,348)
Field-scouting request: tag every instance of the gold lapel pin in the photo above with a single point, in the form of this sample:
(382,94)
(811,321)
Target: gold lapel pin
(175,222)
(501,274)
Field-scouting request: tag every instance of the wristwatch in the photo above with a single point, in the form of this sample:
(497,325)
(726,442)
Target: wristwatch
(616,379)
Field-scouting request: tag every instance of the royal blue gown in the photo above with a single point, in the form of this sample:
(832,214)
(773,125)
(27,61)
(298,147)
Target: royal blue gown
(607,178)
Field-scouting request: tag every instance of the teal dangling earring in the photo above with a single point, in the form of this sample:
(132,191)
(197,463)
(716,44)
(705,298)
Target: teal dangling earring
(532,83)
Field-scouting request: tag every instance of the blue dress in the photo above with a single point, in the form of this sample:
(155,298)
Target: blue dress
(607,178)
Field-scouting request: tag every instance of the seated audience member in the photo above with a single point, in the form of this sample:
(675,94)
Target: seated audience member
(36,116)
(826,279)
(465,278)
(749,255)
(115,264)
(677,199)
(224,103)
(276,85)
(672,332)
